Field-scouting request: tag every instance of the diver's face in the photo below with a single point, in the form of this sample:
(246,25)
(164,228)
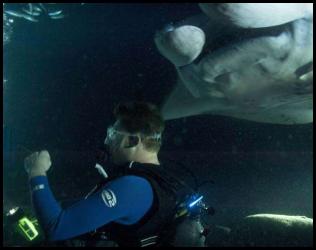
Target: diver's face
(116,140)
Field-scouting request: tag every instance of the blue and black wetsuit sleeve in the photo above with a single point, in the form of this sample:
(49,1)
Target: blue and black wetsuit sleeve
(124,200)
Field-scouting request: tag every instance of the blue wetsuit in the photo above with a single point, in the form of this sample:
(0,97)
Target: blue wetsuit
(124,200)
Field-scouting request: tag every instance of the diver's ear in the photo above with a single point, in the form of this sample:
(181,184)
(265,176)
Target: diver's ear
(132,141)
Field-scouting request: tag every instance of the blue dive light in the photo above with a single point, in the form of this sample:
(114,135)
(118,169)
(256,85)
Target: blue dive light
(195,201)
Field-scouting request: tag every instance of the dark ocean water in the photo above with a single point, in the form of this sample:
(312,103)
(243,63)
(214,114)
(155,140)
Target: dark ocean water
(64,77)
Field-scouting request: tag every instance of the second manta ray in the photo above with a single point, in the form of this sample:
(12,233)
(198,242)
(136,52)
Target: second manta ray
(251,61)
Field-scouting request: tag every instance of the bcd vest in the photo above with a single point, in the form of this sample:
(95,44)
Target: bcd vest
(157,227)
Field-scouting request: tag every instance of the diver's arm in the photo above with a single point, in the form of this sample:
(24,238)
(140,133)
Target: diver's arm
(133,198)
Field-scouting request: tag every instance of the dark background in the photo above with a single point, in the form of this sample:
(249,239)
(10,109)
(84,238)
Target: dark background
(65,77)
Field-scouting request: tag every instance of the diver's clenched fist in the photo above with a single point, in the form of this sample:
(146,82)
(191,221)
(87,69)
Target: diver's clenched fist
(37,163)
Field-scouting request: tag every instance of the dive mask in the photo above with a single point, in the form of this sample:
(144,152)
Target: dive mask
(114,135)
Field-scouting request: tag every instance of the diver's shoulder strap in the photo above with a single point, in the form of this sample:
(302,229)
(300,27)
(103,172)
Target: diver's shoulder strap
(169,191)
(160,175)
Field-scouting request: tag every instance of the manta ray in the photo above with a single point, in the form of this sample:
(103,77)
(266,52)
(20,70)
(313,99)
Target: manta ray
(251,61)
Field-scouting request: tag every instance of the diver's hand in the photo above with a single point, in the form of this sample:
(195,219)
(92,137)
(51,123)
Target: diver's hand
(37,163)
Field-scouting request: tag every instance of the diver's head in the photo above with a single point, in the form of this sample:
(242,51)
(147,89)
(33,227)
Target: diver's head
(136,134)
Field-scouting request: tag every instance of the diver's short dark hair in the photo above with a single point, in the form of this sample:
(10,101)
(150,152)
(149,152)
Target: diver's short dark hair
(143,118)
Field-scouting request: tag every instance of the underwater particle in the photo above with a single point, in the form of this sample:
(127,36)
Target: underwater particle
(7,28)
(5,81)
(184,130)
(290,137)
(57,17)
(55,13)
(177,141)
(234,149)
(85,57)
(169,27)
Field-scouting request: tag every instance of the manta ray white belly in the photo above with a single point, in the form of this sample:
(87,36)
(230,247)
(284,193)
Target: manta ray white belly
(264,79)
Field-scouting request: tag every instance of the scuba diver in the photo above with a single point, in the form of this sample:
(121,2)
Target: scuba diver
(139,203)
